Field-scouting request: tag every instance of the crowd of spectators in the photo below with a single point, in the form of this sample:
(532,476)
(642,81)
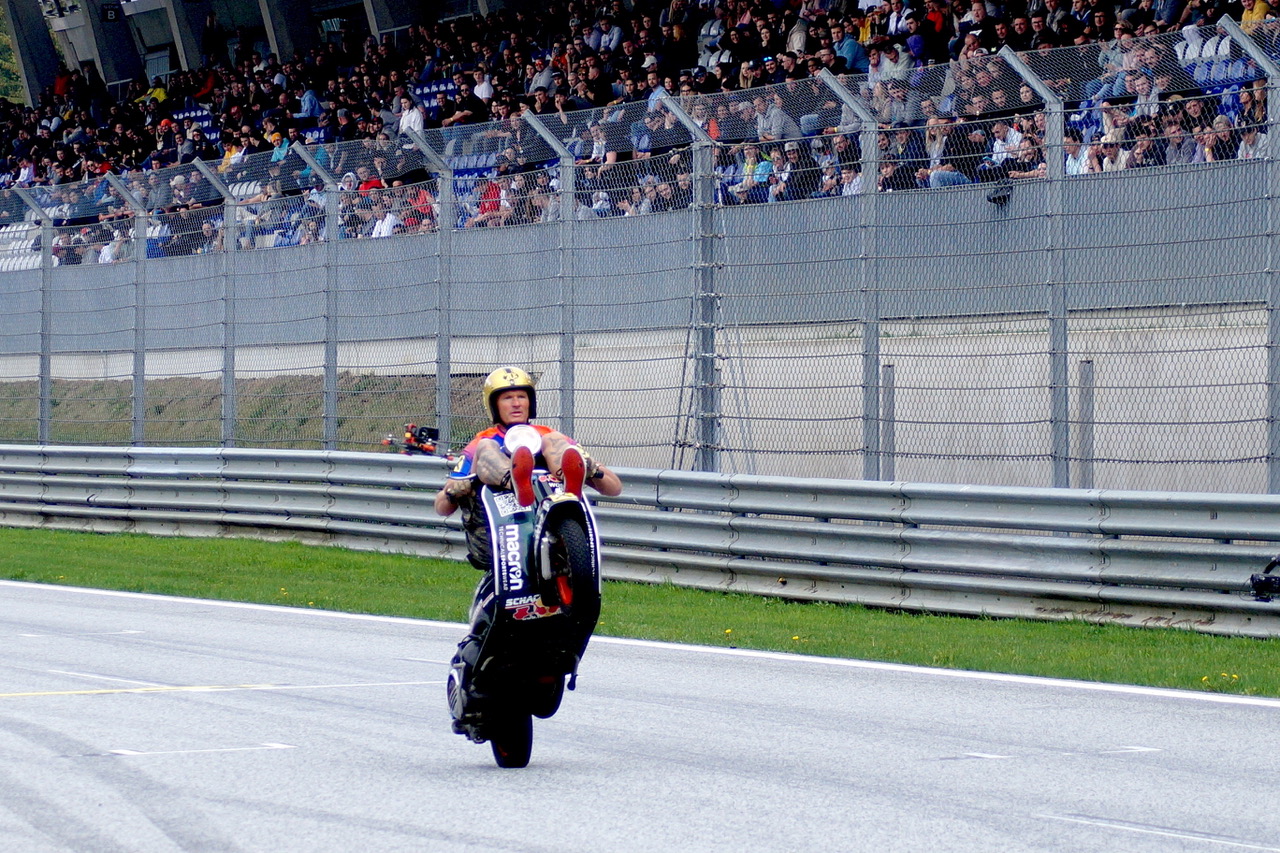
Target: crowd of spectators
(949,110)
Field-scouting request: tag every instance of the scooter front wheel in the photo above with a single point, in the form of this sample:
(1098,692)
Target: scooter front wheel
(572,574)
(511,738)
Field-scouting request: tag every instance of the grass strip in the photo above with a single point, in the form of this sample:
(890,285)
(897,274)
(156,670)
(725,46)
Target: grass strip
(289,573)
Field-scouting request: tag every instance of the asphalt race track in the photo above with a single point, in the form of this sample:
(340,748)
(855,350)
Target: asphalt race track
(143,723)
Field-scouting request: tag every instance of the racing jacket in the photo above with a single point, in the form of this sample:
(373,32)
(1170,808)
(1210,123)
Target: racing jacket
(475,521)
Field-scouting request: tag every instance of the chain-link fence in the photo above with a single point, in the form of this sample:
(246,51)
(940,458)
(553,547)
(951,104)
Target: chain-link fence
(751,280)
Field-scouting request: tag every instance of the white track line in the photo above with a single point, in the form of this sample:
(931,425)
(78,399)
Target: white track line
(784,657)
(1166,833)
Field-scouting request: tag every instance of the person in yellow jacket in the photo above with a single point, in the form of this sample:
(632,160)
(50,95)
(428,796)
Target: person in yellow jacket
(156,91)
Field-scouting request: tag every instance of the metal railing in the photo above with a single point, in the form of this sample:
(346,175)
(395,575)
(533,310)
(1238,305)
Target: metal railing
(1135,558)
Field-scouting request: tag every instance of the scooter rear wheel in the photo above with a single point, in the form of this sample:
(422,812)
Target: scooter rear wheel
(511,738)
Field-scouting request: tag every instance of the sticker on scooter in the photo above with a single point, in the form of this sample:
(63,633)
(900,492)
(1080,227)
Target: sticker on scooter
(509,541)
(507,503)
(533,611)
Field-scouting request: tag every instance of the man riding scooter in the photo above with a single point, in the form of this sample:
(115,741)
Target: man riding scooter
(511,400)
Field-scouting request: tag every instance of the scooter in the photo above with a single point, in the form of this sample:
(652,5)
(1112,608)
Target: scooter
(417,440)
(533,614)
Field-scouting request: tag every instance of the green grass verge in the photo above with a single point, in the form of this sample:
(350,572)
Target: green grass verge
(360,582)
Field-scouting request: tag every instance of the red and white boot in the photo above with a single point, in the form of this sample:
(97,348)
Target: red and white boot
(522,475)
(573,470)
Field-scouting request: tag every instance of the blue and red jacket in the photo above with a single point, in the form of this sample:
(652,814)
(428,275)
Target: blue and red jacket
(463,470)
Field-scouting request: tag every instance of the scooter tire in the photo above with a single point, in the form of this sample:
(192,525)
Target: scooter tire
(547,695)
(574,579)
(511,739)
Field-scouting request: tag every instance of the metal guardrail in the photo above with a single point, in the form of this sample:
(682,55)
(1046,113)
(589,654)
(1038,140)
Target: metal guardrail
(1139,558)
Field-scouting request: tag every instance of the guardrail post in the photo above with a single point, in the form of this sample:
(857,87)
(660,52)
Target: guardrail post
(1272,71)
(44,417)
(138,396)
(230,248)
(565,276)
(888,419)
(445,226)
(1059,381)
(331,228)
(1086,420)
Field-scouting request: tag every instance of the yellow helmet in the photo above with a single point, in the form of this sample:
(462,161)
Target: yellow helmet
(505,379)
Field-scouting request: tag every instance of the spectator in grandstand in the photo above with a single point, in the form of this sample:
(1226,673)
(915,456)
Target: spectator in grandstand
(906,147)
(772,122)
(311,232)
(848,48)
(1195,112)
(1180,148)
(1029,163)
(977,22)
(1224,142)
(1253,103)
(952,156)
(410,117)
(795,173)
(384,222)
(1005,144)
(180,192)
(902,104)
(199,192)
(896,22)
(635,203)
(1074,154)
(1108,155)
(850,180)
(352,83)
(367,180)
(210,239)
(1145,151)
(753,173)
(495,203)
(1043,37)
(1253,144)
(894,177)
(1202,13)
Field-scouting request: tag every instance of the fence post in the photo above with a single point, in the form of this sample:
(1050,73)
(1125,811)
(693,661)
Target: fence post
(230,248)
(445,225)
(868,274)
(568,300)
(1272,71)
(1059,368)
(138,396)
(44,417)
(707,318)
(331,229)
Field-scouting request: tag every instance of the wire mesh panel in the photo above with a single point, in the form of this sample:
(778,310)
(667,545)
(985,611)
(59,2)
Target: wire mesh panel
(20,293)
(1144,365)
(386,358)
(91,340)
(634,299)
(186,311)
(971,398)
